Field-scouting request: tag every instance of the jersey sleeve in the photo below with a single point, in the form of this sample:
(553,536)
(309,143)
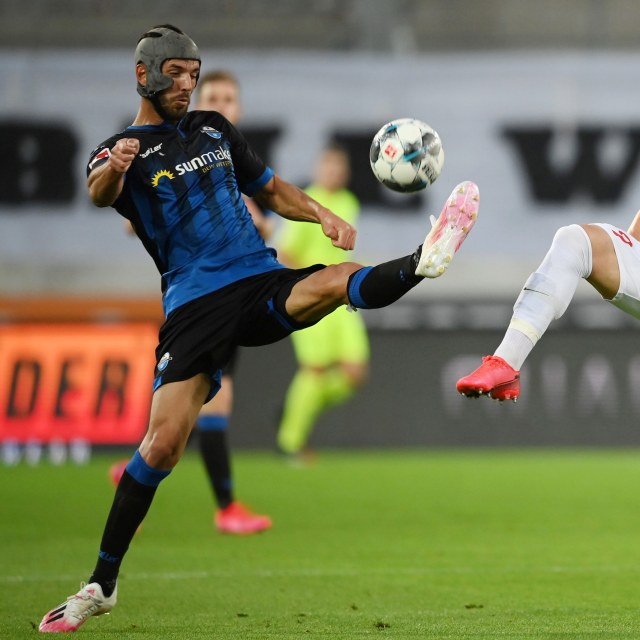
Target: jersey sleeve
(98,157)
(100,154)
(251,171)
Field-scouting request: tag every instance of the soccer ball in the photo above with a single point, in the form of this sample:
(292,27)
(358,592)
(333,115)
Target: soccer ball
(406,155)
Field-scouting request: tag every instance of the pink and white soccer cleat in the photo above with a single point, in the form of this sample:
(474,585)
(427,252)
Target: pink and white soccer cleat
(494,378)
(77,609)
(239,520)
(449,231)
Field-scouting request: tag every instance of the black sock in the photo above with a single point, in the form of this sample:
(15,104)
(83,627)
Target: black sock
(375,287)
(130,505)
(216,458)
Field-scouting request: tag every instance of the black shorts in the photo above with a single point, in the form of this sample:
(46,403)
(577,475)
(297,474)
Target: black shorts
(201,336)
(230,368)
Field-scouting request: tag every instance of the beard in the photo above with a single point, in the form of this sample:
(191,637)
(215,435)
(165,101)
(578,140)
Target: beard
(170,109)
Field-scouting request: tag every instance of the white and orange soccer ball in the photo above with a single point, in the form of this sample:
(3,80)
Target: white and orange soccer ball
(406,155)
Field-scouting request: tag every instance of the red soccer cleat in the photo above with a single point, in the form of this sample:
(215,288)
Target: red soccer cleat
(494,377)
(239,520)
(116,470)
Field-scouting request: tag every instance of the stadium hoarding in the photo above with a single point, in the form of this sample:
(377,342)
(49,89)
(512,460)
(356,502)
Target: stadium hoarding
(68,382)
(89,382)
(579,388)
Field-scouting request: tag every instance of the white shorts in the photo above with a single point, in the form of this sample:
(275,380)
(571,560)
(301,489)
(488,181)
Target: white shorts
(627,250)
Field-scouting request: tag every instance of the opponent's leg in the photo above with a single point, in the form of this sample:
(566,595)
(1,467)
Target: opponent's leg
(545,296)
(605,269)
(173,413)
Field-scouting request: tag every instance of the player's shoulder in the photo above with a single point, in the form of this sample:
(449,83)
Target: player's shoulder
(194,120)
(352,198)
(101,152)
(109,143)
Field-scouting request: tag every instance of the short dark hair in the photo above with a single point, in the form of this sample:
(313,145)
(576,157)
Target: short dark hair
(337,146)
(219,75)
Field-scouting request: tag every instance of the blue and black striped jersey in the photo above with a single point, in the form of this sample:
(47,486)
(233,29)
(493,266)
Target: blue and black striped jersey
(182,195)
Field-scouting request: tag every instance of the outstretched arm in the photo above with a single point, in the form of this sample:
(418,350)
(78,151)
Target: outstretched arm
(292,203)
(106,181)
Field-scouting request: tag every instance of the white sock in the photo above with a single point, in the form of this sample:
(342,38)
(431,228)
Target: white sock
(547,293)
(514,348)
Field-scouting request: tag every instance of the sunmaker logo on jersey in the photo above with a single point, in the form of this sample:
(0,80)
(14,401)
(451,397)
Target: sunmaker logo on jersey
(163,173)
(205,160)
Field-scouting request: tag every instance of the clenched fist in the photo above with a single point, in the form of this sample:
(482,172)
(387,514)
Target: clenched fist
(123,153)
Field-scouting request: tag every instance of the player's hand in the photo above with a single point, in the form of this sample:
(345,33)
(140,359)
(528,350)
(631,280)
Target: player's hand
(123,153)
(341,233)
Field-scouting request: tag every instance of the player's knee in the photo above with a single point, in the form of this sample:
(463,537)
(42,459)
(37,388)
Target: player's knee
(571,245)
(162,447)
(555,281)
(166,457)
(161,454)
(336,283)
(357,374)
(569,234)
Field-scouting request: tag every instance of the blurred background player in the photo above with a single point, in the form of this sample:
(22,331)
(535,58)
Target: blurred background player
(333,355)
(608,258)
(219,90)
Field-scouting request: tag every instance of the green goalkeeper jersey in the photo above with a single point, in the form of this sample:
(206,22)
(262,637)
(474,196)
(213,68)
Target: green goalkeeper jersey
(304,242)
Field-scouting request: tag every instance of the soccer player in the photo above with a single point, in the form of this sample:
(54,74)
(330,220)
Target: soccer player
(178,177)
(220,91)
(333,355)
(606,257)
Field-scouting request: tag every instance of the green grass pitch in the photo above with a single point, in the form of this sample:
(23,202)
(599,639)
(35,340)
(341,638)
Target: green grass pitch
(366,544)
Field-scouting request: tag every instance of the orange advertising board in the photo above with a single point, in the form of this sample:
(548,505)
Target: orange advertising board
(76,381)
